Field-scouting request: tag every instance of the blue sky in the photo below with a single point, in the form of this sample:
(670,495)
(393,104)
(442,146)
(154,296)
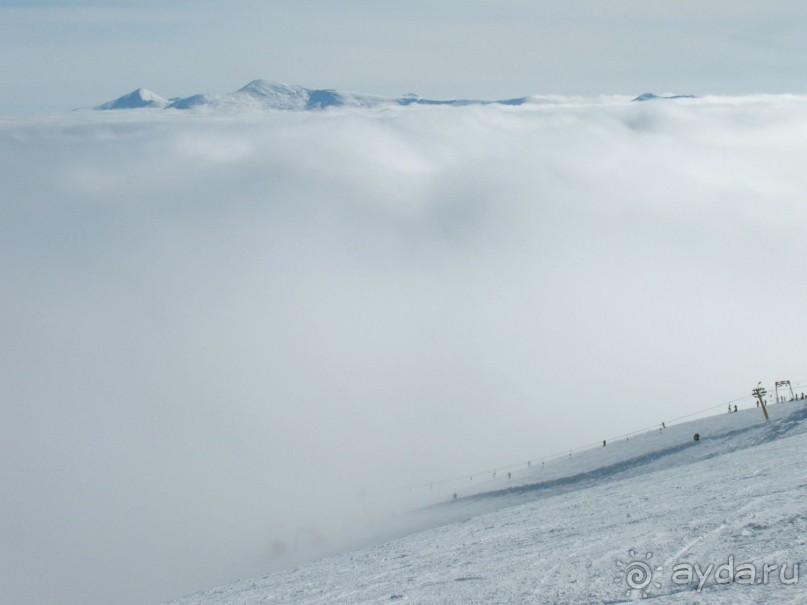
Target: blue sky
(58,55)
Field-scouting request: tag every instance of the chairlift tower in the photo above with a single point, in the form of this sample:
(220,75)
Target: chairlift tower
(759,393)
(783,383)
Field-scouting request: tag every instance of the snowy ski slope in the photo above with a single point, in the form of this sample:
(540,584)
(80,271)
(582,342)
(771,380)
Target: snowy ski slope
(659,516)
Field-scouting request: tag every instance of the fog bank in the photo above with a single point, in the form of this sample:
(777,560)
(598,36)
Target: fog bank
(229,339)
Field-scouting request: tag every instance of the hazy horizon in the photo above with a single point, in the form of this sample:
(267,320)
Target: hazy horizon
(62,55)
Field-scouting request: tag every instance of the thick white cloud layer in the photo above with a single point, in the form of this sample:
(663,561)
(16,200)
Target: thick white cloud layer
(226,336)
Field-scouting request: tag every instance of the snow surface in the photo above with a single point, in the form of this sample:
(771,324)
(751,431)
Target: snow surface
(572,529)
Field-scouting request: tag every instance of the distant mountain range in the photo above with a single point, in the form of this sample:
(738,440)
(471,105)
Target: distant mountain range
(263,94)
(649,96)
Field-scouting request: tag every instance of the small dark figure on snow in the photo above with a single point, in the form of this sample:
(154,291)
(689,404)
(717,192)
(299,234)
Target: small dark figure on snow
(696,436)
(603,442)
(735,407)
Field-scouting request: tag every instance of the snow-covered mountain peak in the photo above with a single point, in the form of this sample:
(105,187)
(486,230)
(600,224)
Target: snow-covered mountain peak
(268,88)
(136,99)
(274,94)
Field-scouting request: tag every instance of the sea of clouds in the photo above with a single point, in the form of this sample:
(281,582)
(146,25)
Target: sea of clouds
(231,339)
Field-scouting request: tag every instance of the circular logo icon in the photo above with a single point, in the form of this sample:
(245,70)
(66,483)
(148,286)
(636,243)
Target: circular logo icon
(637,573)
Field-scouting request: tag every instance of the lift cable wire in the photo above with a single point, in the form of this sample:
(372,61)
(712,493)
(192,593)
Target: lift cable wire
(566,453)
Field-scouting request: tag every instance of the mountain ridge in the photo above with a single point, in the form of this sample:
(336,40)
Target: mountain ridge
(267,94)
